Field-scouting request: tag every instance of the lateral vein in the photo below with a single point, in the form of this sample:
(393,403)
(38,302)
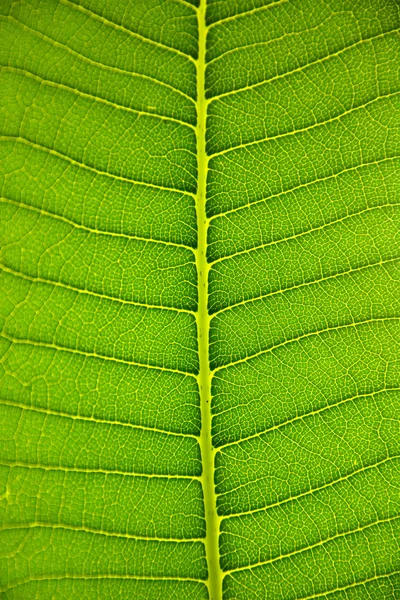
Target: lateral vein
(350,585)
(311,127)
(305,284)
(119,27)
(85,529)
(311,491)
(90,61)
(96,231)
(86,95)
(95,420)
(66,469)
(22,140)
(304,336)
(300,418)
(306,185)
(247,13)
(316,545)
(302,67)
(77,290)
(295,236)
(59,348)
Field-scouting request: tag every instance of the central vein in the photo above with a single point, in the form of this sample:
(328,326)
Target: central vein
(203,325)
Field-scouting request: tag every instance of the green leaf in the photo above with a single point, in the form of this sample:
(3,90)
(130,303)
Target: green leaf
(199,299)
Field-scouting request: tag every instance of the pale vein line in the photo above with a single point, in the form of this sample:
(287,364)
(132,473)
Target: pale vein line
(78,290)
(72,161)
(77,92)
(184,3)
(33,466)
(247,13)
(302,417)
(82,528)
(292,34)
(304,336)
(309,492)
(304,233)
(104,576)
(305,185)
(69,50)
(95,420)
(59,348)
(302,67)
(97,17)
(304,129)
(349,586)
(312,546)
(127,236)
(305,284)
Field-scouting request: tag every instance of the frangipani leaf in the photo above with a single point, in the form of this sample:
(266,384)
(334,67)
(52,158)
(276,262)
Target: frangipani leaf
(200,299)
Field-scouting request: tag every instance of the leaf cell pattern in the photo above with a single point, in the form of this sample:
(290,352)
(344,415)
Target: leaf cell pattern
(200,299)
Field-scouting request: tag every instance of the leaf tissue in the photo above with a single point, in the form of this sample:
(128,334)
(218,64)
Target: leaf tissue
(199,299)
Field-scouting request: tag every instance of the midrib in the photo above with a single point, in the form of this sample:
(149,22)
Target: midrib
(203,324)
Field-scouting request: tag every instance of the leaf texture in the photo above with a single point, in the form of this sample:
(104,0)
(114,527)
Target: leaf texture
(200,299)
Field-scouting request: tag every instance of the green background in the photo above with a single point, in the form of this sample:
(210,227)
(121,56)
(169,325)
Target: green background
(103,156)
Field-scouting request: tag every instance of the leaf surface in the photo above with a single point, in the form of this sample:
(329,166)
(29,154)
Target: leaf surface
(199,299)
